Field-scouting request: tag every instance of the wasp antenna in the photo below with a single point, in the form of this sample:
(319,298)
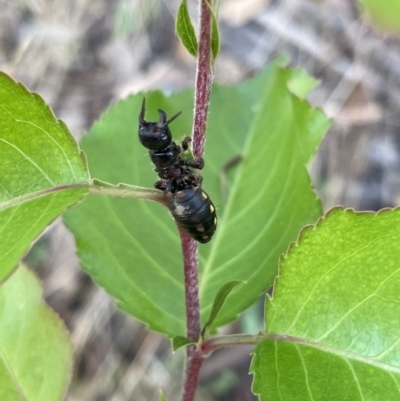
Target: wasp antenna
(173,117)
(142,111)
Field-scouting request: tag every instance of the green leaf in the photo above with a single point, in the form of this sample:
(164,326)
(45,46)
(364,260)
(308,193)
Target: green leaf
(215,35)
(184,29)
(270,196)
(219,300)
(215,38)
(302,84)
(333,316)
(180,341)
(36,352)
(41,171)
(384,13)
(162,396)
(131,247)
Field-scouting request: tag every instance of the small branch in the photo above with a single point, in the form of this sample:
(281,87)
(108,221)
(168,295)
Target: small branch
(128,191)
(204,77)
(211,344)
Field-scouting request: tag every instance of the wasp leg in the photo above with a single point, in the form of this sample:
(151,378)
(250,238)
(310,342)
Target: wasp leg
(197,163)
(198,180)
(161,185)
(185,142)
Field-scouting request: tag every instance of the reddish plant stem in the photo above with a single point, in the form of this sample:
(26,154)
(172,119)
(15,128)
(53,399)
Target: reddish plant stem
(204,78)
(190,269)
(197,355)
(193,365)
(193,359)
(189,246)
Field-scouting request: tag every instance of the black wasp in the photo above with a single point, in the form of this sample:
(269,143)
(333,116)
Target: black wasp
(190,206)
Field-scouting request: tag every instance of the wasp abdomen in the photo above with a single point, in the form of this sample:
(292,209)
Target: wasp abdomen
(194,211)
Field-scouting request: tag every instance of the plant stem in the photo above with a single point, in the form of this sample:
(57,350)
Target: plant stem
(190,268)
(204,77)
(193,361)
(189,246)
(193,365)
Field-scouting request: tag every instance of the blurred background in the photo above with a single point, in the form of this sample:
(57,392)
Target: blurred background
(82,56)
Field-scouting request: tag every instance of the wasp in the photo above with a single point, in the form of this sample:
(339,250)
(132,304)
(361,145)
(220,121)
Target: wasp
(188,203)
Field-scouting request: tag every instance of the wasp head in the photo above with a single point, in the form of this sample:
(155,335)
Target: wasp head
(155,135)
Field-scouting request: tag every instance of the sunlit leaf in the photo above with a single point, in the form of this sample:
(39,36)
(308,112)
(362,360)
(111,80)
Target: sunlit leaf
(334,313)
(42,171)
(384,13)
(302,83)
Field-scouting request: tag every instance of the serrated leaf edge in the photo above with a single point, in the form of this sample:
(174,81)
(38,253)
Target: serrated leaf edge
(60,123)
(318,223)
